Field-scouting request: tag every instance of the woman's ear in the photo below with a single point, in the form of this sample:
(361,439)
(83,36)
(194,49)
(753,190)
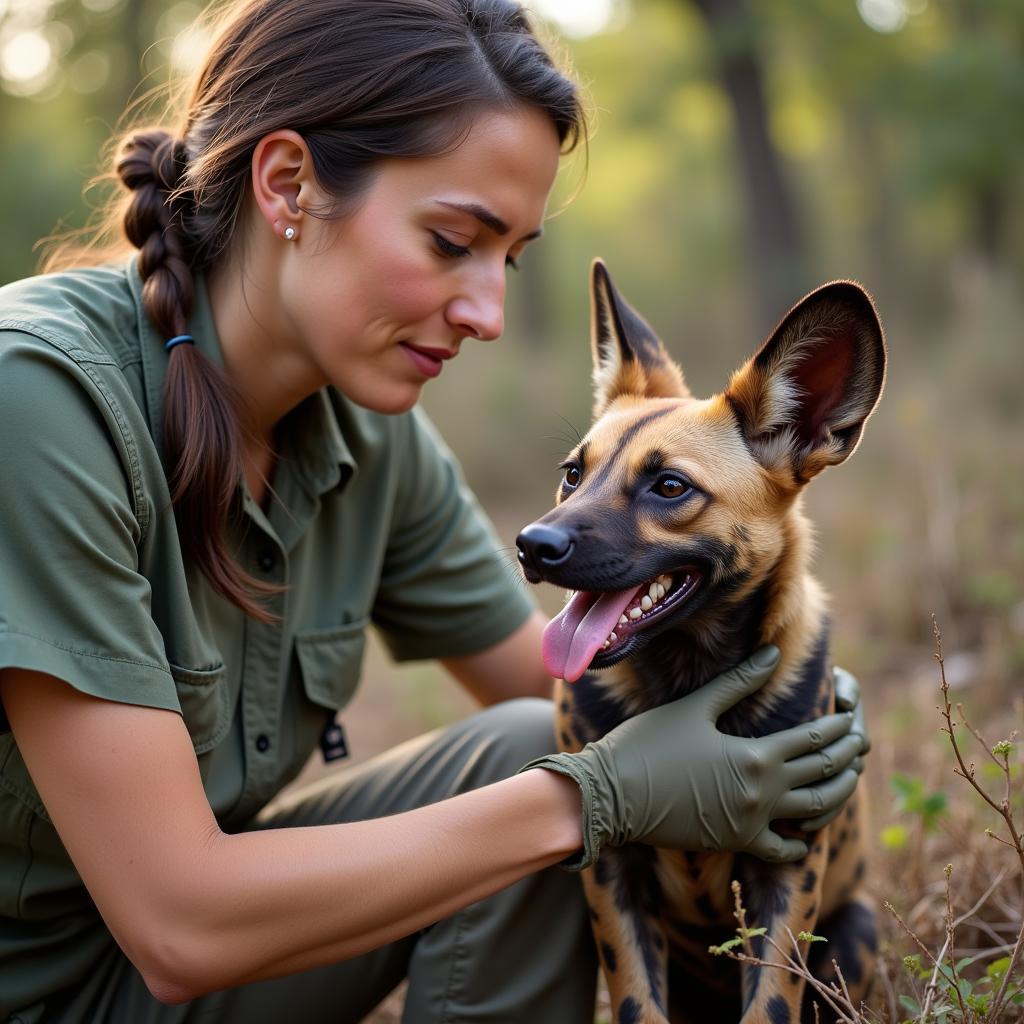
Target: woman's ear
(283,181)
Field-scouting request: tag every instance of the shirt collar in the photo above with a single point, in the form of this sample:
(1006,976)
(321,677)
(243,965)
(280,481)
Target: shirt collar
(312,437)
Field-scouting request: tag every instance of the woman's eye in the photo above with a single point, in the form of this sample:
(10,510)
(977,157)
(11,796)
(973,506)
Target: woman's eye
(572,476)
(671,487)
(449,248)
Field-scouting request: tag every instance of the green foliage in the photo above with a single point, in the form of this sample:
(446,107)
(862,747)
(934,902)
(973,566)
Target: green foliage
(953,990)
(912,799)
(742,936)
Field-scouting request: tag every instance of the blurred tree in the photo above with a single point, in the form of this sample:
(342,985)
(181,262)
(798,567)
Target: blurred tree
(777,249)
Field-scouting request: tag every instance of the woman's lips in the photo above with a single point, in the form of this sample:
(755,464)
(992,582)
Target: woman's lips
(428,361)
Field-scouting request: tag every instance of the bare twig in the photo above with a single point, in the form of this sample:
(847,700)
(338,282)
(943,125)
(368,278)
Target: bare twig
(1003,810)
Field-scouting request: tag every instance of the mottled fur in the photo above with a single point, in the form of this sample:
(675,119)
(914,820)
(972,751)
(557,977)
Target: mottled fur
(794,408)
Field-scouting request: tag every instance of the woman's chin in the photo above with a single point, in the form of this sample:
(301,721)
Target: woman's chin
(388,401)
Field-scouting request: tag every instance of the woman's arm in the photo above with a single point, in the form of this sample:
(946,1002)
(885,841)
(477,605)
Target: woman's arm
(511,668)
(196,909)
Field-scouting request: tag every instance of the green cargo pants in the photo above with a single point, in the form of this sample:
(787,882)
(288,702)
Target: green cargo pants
(524,955)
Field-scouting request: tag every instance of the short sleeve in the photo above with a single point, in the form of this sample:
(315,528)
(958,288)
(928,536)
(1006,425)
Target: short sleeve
(72,601)
(445,590)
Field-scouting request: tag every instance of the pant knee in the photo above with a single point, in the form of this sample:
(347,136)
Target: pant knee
(510,734)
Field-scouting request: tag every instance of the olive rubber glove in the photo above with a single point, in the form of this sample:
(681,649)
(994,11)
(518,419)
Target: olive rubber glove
(670,778)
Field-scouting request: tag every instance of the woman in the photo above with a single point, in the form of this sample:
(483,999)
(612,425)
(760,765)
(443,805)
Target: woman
(219,479)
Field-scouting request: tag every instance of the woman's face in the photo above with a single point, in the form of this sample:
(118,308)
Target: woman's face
(378,299)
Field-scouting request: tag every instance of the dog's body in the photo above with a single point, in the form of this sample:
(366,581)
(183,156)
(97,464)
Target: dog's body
(708,493)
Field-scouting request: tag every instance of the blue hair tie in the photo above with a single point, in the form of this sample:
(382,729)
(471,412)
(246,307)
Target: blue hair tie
(179,339)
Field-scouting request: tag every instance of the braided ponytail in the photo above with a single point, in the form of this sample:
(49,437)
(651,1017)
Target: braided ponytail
(201,434)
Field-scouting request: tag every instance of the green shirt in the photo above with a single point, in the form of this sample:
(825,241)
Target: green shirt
(370,523)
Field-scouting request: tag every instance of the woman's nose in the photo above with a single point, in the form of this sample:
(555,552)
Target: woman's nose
(480,312)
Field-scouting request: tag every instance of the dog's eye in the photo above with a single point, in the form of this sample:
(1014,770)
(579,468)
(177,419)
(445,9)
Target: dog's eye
(572,476)
(671,487)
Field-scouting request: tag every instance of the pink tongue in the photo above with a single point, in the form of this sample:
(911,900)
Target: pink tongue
(578,632)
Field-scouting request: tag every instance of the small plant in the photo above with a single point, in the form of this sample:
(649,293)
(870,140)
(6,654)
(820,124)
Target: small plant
(947,995)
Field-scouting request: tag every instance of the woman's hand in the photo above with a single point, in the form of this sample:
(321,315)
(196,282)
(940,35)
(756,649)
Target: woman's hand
(670,778)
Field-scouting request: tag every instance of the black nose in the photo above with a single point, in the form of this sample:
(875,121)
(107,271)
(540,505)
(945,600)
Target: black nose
(542,547)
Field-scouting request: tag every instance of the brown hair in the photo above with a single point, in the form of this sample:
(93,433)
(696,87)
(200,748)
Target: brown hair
(362,81)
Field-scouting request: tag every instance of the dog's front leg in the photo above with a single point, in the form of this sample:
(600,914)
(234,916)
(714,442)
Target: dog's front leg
(785,899)
(622,891)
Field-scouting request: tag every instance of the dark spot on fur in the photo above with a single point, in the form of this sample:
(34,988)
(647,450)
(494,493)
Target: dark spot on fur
(833,853)
(850,931)
(601,871)
(597,711)
(629,1011)
(565,738)
(810,881)
(843,836)
(765,891)
(849,812)
(611,961)
(564,707)
(858,872)
(817,847)
(811,911)
(704,904)
(778,1011)
(594,915)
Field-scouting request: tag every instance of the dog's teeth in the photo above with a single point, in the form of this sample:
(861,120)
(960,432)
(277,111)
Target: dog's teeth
(646,603)
(652,591)
(635,613)
(623,620)
(612,637)
(660,591)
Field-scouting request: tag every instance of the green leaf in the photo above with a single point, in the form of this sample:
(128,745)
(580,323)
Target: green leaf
(725,947)
(910,1004)
(808,937)
(998,968)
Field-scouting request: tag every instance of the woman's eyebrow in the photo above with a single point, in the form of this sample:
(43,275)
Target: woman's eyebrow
(489,219)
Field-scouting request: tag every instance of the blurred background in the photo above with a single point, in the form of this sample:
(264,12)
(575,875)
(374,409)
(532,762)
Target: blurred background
(745,151)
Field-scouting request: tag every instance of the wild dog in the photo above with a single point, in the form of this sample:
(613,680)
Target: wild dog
(678,528)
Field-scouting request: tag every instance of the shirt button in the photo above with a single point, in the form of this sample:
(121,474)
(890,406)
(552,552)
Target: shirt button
(266,561)
(263,743)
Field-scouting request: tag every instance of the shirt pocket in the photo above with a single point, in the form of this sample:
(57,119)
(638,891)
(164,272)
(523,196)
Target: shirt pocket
(330,662)
(205,704)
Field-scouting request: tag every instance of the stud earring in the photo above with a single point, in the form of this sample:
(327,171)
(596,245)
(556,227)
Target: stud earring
(289,233)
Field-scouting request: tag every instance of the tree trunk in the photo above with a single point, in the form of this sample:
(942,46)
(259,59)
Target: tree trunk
(776,249)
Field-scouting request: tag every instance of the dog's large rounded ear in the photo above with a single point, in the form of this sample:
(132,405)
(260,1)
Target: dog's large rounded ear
(803,399)
(629,358)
